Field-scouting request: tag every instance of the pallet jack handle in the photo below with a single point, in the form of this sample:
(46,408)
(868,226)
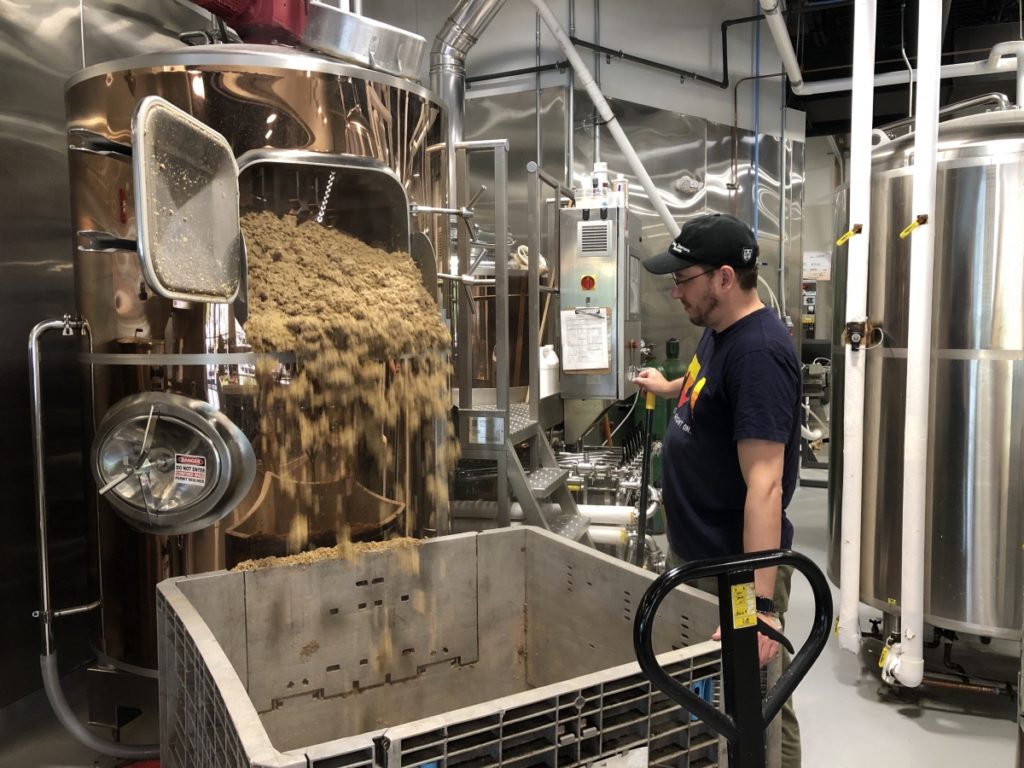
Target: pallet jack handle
(746,714)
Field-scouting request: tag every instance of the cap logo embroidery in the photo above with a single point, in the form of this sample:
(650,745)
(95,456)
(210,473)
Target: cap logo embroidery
(748,254)
(678,248)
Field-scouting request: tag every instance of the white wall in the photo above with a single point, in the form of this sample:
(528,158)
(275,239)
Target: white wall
(683,34)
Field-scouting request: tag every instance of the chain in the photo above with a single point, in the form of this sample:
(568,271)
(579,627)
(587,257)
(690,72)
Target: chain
(323,203)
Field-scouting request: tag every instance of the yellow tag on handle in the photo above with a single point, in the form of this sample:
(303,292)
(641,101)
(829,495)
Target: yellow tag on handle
(651,401)
(744,606)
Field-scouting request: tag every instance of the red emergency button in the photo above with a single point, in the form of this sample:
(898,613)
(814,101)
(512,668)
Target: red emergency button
(588,282)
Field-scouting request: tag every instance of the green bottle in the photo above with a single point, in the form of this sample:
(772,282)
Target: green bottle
(673,369)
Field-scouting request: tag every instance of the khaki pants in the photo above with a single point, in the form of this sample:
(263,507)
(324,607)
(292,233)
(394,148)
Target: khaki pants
(790,725)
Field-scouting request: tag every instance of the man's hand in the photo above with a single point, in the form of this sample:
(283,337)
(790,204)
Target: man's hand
(767,649)
(652,380)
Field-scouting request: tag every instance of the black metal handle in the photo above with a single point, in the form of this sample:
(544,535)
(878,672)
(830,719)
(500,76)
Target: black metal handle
(773,701)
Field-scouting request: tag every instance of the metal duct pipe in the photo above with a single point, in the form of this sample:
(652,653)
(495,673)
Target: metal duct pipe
(458,35)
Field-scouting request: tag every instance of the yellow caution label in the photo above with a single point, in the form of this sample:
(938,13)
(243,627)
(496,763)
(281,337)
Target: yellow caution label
(891,602)
(744,606)
(883,656)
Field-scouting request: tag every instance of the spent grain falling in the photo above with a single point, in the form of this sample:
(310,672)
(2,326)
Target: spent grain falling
(370,355)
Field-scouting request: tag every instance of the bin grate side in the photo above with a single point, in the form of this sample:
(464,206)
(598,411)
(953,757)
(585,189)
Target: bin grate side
(196,730)
(577,728)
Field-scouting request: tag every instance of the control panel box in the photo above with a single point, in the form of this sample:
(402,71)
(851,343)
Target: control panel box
(599,303)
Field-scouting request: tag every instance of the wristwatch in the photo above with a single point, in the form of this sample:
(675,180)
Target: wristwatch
(765,605)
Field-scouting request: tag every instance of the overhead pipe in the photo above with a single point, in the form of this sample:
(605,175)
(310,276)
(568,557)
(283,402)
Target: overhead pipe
(780,33)
(861,112)
(611,122)
(905,661)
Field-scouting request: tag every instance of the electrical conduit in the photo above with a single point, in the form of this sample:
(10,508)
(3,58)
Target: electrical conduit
(862,108)
(905,662)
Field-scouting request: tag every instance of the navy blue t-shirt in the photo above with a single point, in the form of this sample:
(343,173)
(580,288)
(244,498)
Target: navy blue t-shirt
(743,383)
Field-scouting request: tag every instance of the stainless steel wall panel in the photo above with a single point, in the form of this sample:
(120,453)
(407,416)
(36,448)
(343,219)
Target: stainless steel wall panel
(728,187)
(673,149)
(513,116)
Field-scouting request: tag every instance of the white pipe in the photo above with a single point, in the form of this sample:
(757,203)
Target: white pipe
(611,123)
(862,108)
(609,535)
(608,514)
(777,26)
(598,514)
(905,662)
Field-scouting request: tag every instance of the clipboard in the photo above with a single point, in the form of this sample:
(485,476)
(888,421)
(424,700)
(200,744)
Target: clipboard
(586,340)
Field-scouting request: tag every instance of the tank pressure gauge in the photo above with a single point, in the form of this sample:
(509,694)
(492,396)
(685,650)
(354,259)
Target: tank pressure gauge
(169,464)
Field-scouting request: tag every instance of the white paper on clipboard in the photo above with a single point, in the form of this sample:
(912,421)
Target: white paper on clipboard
(585,342)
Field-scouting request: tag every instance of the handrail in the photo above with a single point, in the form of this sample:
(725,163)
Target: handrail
(46,614)
(1000,100)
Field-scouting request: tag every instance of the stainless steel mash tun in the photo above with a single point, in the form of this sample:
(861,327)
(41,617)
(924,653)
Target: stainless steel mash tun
(166,151)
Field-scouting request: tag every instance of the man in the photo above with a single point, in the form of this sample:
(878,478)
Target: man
(731,451)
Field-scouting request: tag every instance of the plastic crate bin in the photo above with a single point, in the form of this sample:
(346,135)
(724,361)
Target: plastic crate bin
(508,648)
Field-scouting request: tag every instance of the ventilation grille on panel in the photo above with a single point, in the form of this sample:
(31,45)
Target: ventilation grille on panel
(595,238)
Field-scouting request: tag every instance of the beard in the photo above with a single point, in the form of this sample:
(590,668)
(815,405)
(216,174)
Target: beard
(699,312)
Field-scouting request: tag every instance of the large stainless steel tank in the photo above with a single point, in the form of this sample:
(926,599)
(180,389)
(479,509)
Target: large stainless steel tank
(291,120)
(975,484)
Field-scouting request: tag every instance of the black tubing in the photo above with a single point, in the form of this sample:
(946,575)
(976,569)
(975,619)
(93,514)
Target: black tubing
(645,478)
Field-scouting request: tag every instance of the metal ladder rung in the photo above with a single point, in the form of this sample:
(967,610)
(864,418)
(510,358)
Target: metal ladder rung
(545,481)
(521,430)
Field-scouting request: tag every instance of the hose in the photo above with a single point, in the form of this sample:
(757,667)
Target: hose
(645,475)
(67,718)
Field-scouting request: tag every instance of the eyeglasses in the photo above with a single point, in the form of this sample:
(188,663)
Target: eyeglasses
(685,280)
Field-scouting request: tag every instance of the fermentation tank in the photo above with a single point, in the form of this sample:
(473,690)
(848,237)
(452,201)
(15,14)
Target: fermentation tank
(975,481)
(315,138)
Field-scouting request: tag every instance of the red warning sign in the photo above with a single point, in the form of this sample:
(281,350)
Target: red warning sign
(190,470)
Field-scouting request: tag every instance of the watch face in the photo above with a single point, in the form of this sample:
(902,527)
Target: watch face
(163,464)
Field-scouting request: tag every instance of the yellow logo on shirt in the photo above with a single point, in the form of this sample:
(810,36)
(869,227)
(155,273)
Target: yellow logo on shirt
(693,383)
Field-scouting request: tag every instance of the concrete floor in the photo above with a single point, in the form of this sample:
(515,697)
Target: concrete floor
(847,717)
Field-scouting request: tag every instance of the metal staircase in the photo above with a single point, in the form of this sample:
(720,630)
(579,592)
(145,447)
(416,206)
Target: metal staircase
(504,431)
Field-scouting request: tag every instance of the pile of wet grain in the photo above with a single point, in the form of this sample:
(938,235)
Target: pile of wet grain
(370,356)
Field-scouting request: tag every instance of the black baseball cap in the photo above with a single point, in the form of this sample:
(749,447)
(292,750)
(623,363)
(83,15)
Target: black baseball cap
(713,240)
